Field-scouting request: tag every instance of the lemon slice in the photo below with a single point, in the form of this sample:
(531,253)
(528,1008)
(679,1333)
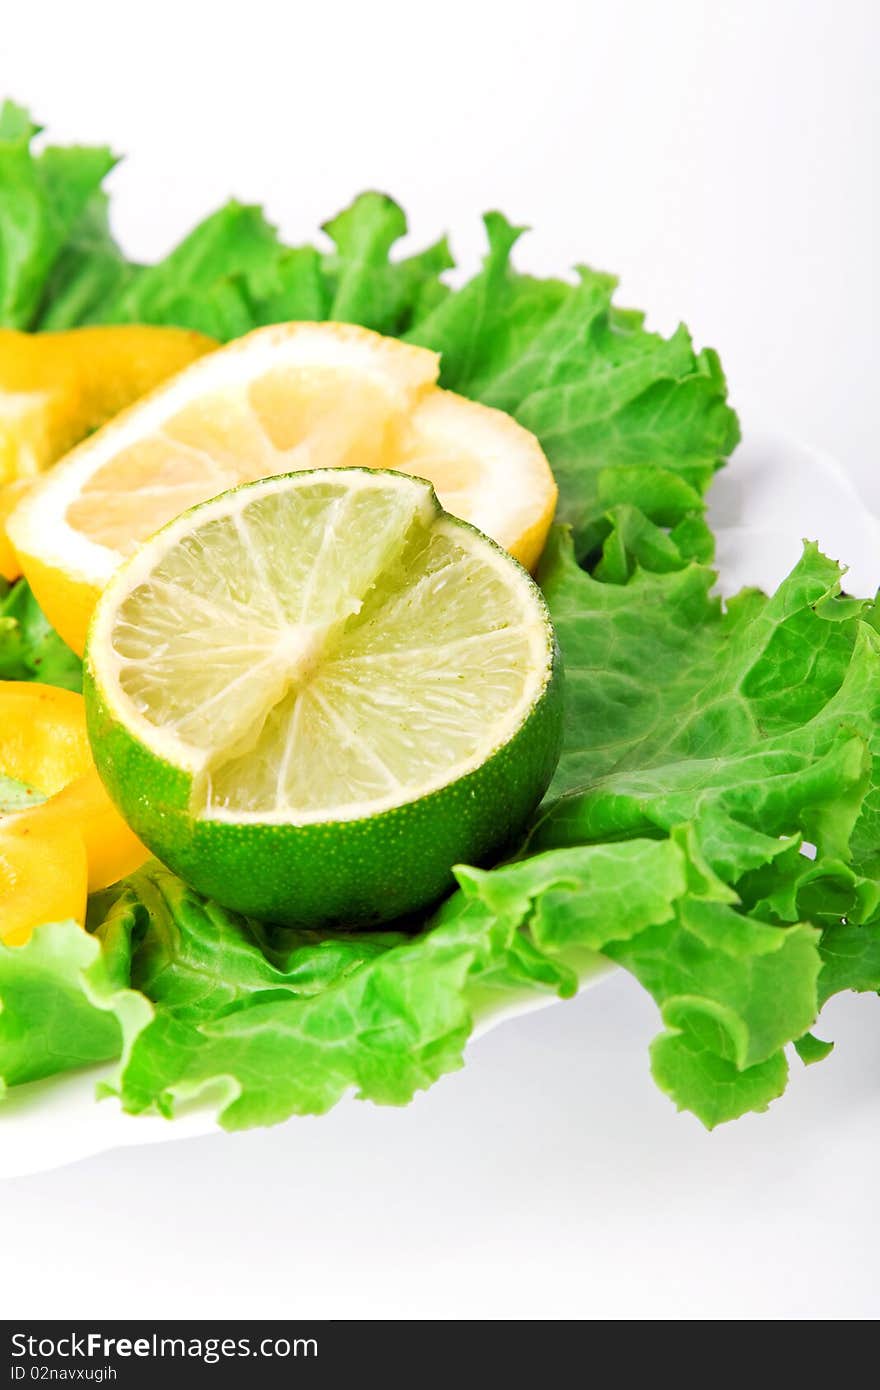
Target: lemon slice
(55,388)
(484,467)
(288,397)
(312,696)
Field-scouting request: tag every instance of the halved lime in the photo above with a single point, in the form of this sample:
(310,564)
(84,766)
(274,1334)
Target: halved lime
(313,695)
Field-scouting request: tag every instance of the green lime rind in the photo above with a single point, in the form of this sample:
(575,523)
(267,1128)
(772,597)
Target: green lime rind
(355,872)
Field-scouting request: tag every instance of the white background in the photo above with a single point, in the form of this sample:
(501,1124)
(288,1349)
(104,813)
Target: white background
(721,158)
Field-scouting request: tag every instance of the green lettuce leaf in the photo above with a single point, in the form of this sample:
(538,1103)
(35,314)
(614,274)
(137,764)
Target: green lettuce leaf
(232,274)
(31,650)
(282,1022)
(635,425)
(64,999)
(89,270)
(274,1022)
(43,197)
(210,282)
(753,721)
(365,285)
(603,395)
(751,725)
(811,1049)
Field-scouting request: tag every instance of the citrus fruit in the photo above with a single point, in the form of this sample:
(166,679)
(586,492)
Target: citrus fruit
(10,496)
(55,388)
(313,695)
(63,835)
(42,879)
(291,396)
(485,468)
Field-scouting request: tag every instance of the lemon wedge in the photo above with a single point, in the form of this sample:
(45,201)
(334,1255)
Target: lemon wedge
(281,399)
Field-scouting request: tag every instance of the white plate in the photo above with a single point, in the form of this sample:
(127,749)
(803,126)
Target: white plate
(776,493)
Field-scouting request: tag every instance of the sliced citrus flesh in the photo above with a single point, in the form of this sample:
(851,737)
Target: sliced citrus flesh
(485,468)
(64,836)
(288,397)
(56,388)
(313,695)
(43,740)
